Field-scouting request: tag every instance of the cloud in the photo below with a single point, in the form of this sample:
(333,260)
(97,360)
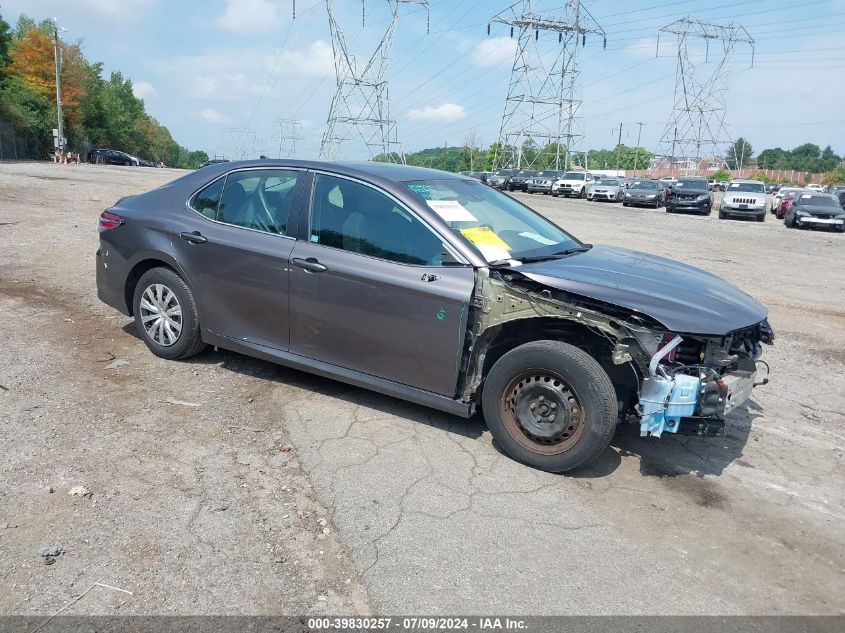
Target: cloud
(212,116)
(494,51)
(441,113)
(316,62)
(142,89)
(249,17)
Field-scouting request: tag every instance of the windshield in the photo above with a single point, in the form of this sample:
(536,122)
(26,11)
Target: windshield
(527,173)
(574,175)
(818,201)
(505,172)
(609,182)
(497,225)
(746,187)
(644,184)
(692,184)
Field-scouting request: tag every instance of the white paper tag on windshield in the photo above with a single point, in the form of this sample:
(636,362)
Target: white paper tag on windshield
(492,252)
(805,196)
(451,211)
(538,238)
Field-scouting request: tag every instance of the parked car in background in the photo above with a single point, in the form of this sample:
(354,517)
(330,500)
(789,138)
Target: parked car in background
(573,183)
(815,187)
(104,156)
(772,187)
(519,181)
(744,198)
(782,194)
(712,184)
(689,194)
(480,176)
(606,189)
(197,262)
(499,179)
(668,181)
(214,161)
(543,181)
(815,210)
(644,193)
(721,185)
(841,197)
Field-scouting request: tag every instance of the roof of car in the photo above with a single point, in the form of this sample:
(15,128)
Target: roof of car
(754,182)
(386,171)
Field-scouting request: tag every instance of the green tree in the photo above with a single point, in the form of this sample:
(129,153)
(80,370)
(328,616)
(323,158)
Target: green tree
(722,175)
(739,154)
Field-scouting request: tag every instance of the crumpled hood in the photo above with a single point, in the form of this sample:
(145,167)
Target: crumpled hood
(821,210)
(683,298)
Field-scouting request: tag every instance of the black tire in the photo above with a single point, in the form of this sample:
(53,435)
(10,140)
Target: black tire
(761,217)
(189,342)
(554,194)
(584,192)
(722,216)
(624,204)
(583,421)
(708,212)
(657,204)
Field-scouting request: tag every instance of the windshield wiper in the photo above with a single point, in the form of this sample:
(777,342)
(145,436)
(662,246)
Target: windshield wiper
(557,255)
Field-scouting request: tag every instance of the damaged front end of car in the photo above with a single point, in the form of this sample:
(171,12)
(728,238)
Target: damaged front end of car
(665,381)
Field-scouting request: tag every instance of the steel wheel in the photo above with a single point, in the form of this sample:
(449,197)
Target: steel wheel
(161,314)
(542,412)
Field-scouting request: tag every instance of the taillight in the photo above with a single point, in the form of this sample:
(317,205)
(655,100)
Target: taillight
(109,220)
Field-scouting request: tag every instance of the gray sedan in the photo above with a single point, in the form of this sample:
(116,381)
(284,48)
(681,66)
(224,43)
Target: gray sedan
(645,192)
(434,288)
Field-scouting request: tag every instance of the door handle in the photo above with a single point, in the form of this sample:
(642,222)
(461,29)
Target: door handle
(310,264)
(194,237)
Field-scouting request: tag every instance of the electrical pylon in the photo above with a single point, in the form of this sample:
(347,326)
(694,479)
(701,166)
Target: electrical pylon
(289,134)
(696,127)
(361,104)
(243,141)
(543,105)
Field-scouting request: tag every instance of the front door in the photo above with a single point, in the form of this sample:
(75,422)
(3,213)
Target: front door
(236,250)
(368,290)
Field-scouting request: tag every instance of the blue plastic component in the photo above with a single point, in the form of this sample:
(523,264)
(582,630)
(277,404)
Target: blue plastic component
(664,401)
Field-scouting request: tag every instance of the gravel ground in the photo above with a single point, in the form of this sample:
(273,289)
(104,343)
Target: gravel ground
(230,485)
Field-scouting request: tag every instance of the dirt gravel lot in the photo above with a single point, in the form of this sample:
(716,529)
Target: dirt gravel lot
(230,485)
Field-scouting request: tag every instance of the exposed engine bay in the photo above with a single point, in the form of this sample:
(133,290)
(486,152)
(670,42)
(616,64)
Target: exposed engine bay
(665,381)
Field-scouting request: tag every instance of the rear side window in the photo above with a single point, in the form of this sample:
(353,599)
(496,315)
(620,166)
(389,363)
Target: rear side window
(207,200)
(258,199)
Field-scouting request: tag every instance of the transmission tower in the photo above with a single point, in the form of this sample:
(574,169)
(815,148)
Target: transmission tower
(543,105)
(696,128)
(243,141)
(289,134)
(361,104)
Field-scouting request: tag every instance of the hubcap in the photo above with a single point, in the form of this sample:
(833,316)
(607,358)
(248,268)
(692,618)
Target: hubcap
(543,412)
(161,314)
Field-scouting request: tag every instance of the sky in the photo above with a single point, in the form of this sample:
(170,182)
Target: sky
(220,74)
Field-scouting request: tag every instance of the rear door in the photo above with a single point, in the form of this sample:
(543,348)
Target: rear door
(235,244)
(369,291)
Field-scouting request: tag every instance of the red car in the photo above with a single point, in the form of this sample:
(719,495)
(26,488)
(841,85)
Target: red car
(787,195)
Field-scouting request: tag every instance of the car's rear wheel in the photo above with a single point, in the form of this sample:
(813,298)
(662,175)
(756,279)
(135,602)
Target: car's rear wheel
(584,192)
(550,405)
(166,315)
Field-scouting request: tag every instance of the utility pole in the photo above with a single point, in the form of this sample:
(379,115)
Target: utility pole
(618,144)
(637,151)
(57,52)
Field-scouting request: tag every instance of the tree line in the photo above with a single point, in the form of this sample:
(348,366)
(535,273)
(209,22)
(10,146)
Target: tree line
(808,157)
(98,111)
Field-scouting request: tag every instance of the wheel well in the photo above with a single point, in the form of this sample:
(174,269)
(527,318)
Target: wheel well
(135,274)
(515,333)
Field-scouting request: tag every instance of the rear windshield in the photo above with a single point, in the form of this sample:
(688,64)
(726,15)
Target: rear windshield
(747,187)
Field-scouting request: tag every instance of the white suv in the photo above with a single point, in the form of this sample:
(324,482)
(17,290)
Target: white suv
(744,198)
(573,183)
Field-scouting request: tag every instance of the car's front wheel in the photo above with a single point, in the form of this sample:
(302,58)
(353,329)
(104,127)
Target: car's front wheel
(166,315)
(550,405)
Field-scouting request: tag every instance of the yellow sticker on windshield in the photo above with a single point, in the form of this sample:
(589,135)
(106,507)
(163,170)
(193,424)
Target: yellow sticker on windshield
(483,235)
